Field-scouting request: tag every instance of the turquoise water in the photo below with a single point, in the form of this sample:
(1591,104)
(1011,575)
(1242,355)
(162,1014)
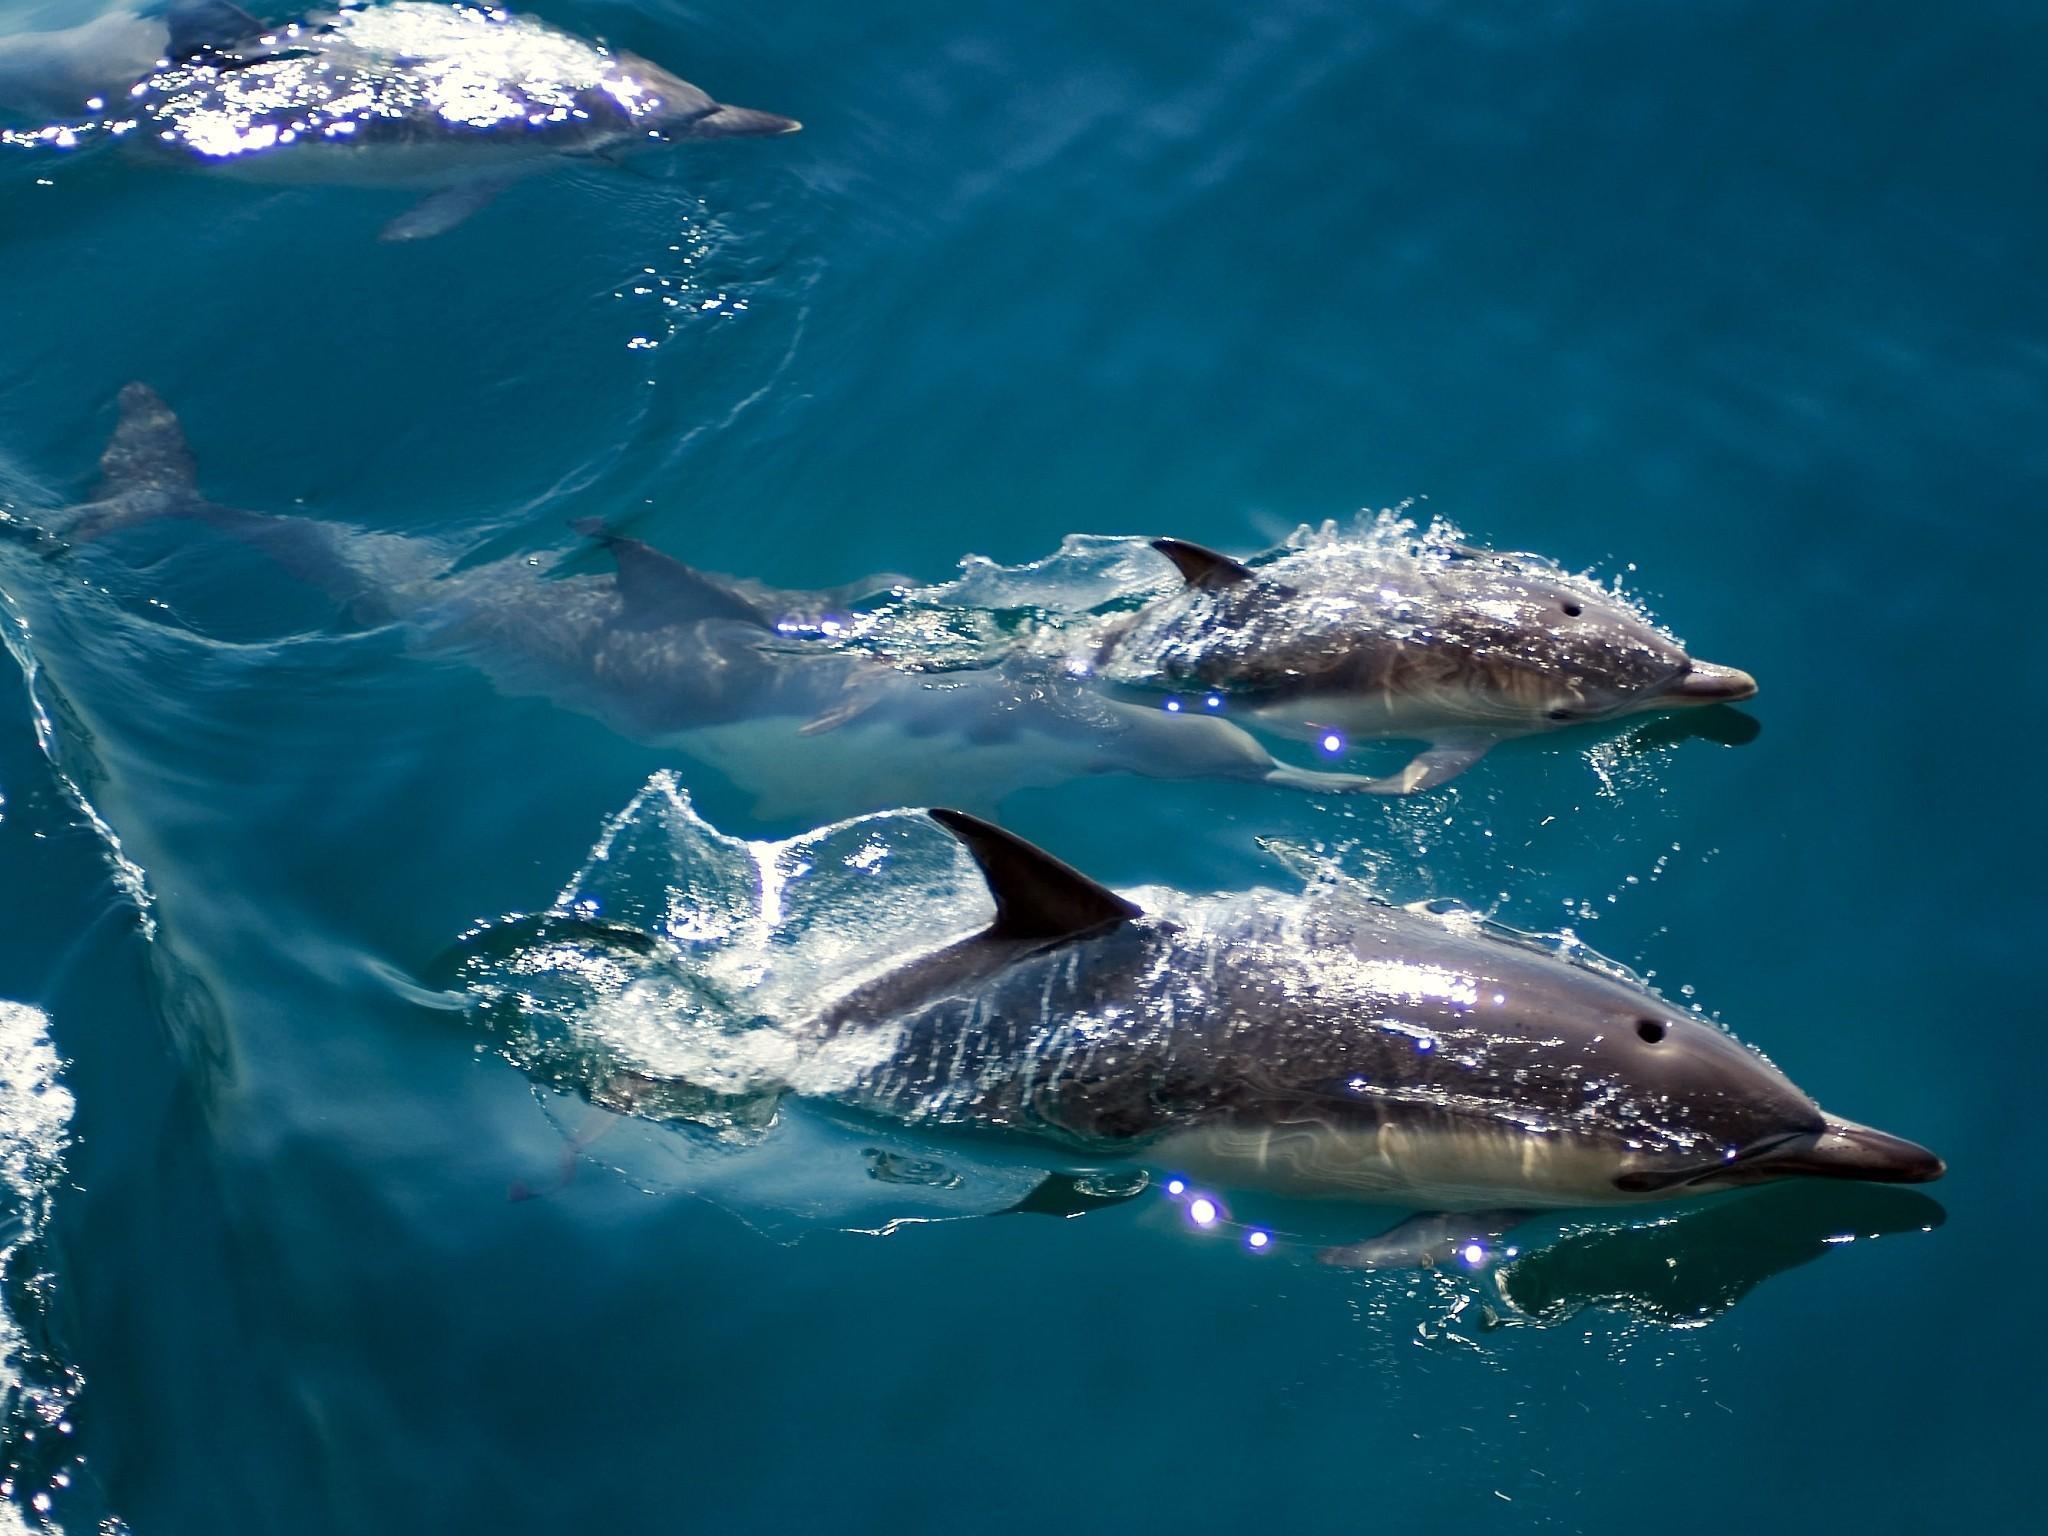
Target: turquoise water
(1740,303)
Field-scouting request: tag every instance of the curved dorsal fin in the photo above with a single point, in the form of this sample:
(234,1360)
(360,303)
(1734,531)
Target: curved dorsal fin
(1037,897)
(1202,567)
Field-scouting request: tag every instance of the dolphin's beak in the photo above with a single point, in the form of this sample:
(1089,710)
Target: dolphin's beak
(1842,1149)
(1705,683)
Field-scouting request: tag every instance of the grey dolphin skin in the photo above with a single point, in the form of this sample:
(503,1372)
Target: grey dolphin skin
(1326,1046)
(455,100)
(1457,647)
(1461,648)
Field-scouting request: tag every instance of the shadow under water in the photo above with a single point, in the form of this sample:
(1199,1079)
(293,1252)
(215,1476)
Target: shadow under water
(1690,1268)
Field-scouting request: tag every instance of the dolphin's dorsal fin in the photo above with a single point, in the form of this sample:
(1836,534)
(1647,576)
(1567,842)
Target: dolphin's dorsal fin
(1037,897)
(197,26)
(148,451)
(1203,567)
(660,589)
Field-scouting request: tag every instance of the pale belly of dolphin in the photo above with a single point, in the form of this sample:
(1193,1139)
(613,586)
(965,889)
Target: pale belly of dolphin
(1434,1164)
(422,165)
(1421,714)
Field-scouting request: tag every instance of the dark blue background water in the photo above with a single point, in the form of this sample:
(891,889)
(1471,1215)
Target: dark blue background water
(1743,297)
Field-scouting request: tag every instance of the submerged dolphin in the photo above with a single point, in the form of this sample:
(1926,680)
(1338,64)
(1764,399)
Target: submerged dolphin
(798,695)
(1323,1046)
(60,71)
(456,100)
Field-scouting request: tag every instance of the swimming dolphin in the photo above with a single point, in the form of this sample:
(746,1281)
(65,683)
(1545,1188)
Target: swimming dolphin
(1456,646)
(455,100)
(783,691)
(1318,1044)
(1327,1045)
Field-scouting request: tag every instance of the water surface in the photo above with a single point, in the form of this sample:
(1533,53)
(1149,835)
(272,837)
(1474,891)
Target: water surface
(1738,303)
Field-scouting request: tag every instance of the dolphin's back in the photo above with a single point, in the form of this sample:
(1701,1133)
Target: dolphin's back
(432,78)
(1326,1039)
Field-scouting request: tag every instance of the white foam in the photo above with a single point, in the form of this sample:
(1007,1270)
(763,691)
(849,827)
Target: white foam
(35,1133)
(35,1108)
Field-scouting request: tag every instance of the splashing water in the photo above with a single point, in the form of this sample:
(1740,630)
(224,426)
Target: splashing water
(657,989)
(37,1388)
(675,955)
(1049,608)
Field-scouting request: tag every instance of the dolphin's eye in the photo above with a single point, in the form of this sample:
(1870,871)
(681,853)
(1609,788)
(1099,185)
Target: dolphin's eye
(1650,1031)
(1558,714)
(1573,610)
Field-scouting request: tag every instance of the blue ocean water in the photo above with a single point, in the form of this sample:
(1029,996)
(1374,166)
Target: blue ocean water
(1737,302)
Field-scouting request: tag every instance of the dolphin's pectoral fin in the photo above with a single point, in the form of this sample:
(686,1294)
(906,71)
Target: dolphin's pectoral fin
(439,212)
(1320,781)
(1433,1240)
(1036,896)
(1439,765)
(659,589)
(1427,769)
(843,713)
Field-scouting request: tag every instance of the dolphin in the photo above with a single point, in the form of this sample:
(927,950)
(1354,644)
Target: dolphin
(1326,1046)
(453,100)
(1453,645)
(836,699)
(1317,1045)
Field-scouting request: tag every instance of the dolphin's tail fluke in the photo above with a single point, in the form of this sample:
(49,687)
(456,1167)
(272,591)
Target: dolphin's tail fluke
(146,471)
(147,474)
(148,450)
